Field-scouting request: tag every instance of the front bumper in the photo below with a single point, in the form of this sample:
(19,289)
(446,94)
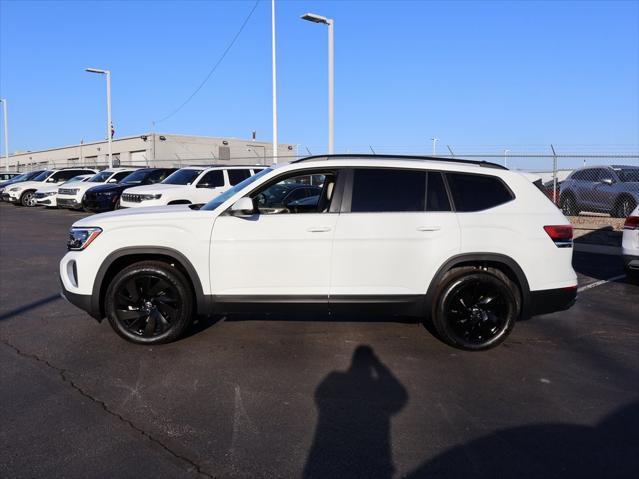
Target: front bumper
(548,301)
(70,203)
(83,301)
(99,204)
(10,199)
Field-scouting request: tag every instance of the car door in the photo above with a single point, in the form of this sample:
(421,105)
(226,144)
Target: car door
(276,254)
(395,229)
(605,191)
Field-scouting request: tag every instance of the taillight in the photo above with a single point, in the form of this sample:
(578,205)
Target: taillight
(632,223)
(560,234)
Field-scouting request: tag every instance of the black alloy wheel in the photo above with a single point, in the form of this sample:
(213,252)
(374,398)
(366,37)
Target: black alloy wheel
(149,303)
(476,308)
(28,199)
(569,206)
(625,206)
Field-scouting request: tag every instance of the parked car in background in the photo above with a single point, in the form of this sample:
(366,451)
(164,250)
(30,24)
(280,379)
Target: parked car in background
(18,179)
(630,244)
(190,185)
(7,175)
(23,193)
(106,197)
(47,195)
(71,196)
(601,189)
(470,246)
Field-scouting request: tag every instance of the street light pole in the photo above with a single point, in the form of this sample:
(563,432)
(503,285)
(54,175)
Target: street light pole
(109,122)
(506,158)
(311,17)
(6,134)
(273,67)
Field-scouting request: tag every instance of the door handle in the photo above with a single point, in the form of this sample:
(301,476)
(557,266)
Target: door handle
(319,229)
(428,228)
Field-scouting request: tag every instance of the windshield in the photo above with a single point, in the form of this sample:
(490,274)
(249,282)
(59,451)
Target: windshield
(22,177)
(218,200)
(629,175)
(100,177)
(75,179)
(182,177)
(135,178)
(42,176)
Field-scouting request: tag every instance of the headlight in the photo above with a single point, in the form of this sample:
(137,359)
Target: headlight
(156,196)
(80,238)
(50,193)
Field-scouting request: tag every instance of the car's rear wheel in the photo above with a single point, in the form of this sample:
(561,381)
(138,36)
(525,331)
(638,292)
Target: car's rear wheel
(569,205)
(149,303)
(624,206)
(28,199)
(475,308)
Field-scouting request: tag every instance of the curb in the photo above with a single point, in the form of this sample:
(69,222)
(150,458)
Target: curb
(597,249)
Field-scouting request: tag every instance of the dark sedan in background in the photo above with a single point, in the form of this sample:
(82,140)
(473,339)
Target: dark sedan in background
(107,197)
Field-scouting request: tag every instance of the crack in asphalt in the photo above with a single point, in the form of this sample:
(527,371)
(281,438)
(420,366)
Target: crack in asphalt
(63,375)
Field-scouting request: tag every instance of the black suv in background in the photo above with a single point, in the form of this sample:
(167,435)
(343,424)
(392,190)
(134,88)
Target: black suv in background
(107,197)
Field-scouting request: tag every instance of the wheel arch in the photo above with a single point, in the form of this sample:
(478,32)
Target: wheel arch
(504,263)
(126,256)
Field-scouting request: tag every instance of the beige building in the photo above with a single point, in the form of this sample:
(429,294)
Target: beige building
(155,149)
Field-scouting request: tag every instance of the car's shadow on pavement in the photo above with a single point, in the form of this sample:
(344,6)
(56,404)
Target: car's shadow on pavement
(29,306)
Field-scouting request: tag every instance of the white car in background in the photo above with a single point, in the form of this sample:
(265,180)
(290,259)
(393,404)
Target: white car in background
(23,193)
(71,196)
(190,185)
(630,244)
(47,195)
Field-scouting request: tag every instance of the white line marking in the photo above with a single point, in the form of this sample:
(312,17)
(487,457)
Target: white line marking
(599,283)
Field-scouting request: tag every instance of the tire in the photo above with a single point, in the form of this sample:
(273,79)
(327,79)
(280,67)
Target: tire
(117,205)
(569,205)
(28,199)
(149,302)
(461,314)
(623,207)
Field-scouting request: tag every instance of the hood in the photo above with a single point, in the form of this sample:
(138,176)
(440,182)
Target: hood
(108,187)
(33,184)
(155,188)
(47,188)
(136,215)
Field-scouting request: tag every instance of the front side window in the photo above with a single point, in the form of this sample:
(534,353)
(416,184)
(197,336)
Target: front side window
(237,176)
(297,194)
(388,190)
(100,177)
(477,192)
(119,176)
(182,177)
(212,179)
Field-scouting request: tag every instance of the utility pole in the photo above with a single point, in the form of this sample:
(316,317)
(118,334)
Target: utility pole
(273,68)
(435,140)
(6,134)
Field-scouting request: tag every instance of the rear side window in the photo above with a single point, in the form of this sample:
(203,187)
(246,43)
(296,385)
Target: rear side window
(236,176)
(212,179)
(477,192)
(436,197)
(388,190)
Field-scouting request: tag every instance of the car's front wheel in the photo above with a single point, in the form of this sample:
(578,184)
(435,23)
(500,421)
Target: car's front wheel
(149,302)
(475,308)
(28,199)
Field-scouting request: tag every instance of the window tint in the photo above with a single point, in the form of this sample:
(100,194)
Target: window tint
(236,176)
(436,198)
(629,175)
(65,175)
(159,175)
(297,195)
(386,190)
(477,192)
(212,179)
(119,176)
(182,177)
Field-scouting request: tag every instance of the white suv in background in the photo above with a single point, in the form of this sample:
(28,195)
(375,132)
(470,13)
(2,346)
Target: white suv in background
(23,193)
(471,246)
(71,196)
(47,195)
(630,244)
(190,185)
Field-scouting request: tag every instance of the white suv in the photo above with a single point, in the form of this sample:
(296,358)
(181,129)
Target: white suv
(71,196)
(23,193)
(471,246)
(47,195)
(630,244)
(190,185)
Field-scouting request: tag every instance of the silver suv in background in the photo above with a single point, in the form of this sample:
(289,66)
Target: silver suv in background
(601,189)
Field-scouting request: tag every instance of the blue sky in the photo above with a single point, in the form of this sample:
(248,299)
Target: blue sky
(480,76)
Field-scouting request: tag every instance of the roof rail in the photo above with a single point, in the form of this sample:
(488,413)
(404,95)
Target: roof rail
(485,164)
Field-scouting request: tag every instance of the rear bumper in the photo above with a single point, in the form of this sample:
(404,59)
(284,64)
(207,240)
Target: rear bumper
(552,300)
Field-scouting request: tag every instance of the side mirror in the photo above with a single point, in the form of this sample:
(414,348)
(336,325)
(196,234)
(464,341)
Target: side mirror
(242,207)
(607,181)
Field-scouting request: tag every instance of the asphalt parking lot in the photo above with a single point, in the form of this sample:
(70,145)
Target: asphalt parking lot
(293,397)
